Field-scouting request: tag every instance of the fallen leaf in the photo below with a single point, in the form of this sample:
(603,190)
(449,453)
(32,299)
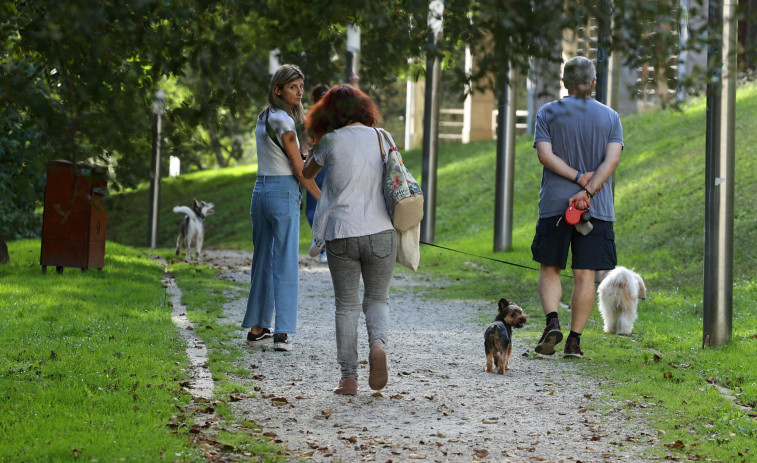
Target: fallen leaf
(489,421)
(415,456)
(279,401)
(676,445)
(480,453)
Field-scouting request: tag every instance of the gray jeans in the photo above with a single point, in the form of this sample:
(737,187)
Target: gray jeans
(373,257)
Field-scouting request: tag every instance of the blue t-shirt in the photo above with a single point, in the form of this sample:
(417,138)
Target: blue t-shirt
(579,130)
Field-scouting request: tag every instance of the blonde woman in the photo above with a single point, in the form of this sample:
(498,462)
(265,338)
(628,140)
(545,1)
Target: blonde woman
(275,214)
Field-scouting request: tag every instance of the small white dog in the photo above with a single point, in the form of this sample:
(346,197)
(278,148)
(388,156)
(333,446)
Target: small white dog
(619,295)
(192,227)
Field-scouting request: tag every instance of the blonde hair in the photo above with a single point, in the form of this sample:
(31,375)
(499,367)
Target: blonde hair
(285,74)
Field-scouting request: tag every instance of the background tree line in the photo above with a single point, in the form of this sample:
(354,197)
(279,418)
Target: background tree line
(78,76)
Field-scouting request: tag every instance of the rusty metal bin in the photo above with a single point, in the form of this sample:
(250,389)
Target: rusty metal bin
(74,218)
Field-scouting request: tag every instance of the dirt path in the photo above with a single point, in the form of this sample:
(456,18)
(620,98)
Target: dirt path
(439,404)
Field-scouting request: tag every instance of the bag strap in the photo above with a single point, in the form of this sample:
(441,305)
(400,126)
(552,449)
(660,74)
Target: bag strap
(392,146)
(381,146)
(271,134)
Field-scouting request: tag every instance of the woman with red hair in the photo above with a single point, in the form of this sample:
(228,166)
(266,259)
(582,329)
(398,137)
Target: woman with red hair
(351,218)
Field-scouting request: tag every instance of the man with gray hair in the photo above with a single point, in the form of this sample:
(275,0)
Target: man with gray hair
(578,141)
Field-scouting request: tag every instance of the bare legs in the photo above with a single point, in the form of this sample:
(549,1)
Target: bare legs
(582,299)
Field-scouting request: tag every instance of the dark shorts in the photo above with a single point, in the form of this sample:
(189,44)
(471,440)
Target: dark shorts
(554,238)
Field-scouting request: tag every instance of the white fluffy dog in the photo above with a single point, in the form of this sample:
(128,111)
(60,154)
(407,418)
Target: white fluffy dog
(619,295)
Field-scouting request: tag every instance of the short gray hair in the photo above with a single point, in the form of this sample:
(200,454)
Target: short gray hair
(577,71)
(285,74)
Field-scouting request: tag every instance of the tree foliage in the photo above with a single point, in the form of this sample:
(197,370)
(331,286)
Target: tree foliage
(78,76)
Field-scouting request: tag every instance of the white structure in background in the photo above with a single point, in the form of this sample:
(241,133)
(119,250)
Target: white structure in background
(352,71)
(630,89)
(274,61)
(174,166)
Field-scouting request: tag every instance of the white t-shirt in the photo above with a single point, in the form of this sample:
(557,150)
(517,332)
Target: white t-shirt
(352,203)
(271,160)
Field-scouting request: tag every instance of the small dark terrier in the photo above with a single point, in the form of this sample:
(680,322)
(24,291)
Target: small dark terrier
(499,334)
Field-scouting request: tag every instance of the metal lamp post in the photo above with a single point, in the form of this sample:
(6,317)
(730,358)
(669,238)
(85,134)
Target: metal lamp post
(158,108)
(431,124)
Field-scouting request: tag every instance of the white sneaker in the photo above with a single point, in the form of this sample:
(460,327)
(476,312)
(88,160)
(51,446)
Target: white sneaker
(316,247)
(323,259)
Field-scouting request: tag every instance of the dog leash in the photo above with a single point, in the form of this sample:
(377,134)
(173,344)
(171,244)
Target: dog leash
(484,257)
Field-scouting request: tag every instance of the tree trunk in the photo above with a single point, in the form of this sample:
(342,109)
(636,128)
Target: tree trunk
(4,257)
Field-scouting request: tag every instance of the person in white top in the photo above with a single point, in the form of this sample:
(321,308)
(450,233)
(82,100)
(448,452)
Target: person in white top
(352,219)
(275,214)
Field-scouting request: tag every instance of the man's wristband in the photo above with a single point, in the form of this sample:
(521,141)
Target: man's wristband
(587,192)
(578,175)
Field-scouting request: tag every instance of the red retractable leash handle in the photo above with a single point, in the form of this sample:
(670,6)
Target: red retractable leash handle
(573,215)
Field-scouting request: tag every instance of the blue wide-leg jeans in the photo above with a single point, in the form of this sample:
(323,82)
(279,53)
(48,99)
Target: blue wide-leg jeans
(275,214)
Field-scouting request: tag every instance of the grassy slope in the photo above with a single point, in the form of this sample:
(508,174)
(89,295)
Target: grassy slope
(660,233)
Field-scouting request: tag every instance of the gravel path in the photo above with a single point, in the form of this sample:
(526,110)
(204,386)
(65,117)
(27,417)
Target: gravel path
(439,404)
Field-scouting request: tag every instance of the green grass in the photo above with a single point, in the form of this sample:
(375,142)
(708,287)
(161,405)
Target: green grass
(91,362)
(204,295)
(662,368)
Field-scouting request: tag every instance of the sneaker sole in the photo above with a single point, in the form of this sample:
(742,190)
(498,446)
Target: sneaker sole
(378,376)
(260,342)
(572,356)
(282,347)
(547,347)
(315,251)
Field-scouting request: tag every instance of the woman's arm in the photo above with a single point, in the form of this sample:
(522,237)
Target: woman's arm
(311,168)
(295,157)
